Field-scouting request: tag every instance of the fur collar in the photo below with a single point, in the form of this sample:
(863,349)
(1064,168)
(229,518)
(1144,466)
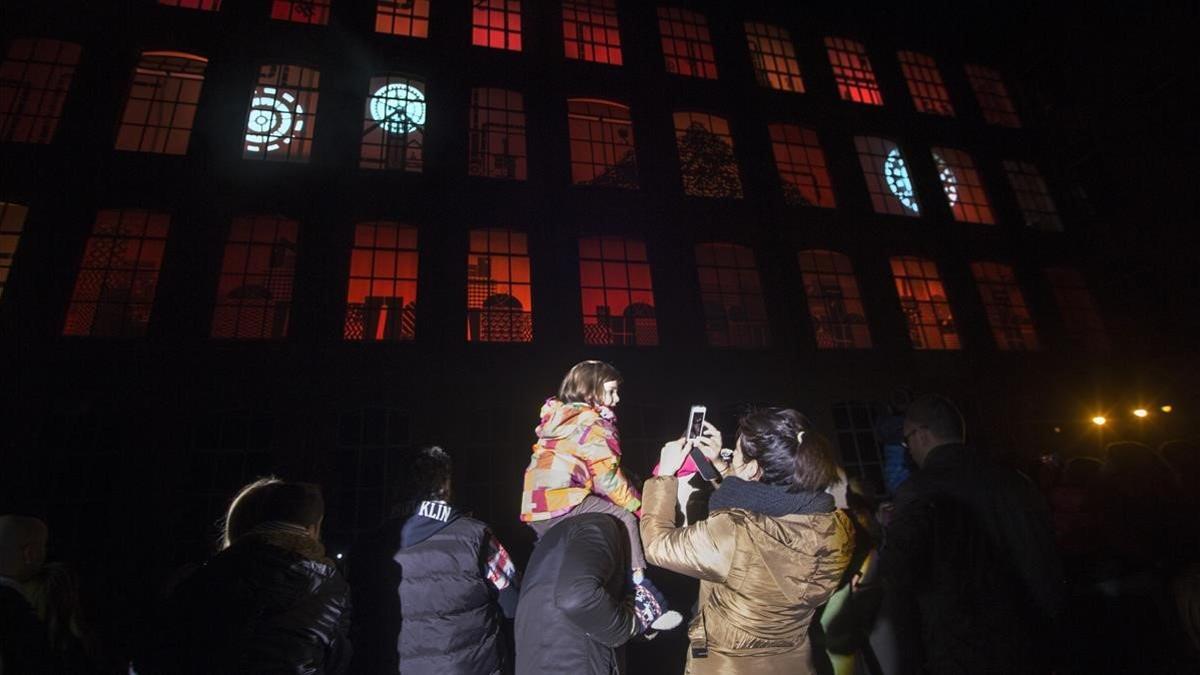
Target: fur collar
(300,544)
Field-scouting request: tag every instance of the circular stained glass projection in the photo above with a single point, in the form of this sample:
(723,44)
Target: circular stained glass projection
(895,172)
(949,180)
(274,117)
(399,108)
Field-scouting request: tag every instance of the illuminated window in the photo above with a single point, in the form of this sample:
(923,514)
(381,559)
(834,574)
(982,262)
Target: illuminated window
(852,71)
(1007,314)
(282,115)
(115,288)
(499,290)
(888,181)
(994,101)
(618,297)
(496,24)
(801,164)
(686,44)
(1080,315)
(1033,197)
(12,222)
(925,85)
(497,134)
(601,135)
(161,107)
(381,303)
(34,80)
(407,18)
(393,135)
(774,57)
(301,11)
(706,159)
(205,5)
(834,302)
(590,31)
(963,187)
(734,312)
(254,293)
(923,300)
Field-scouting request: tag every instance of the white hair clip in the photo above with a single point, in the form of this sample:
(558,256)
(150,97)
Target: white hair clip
(800,438)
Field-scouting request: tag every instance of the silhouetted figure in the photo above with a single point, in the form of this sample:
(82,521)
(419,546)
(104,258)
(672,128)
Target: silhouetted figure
(24,647)
(54,594)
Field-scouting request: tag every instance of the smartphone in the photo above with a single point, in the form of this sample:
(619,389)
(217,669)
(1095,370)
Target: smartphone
(695,430)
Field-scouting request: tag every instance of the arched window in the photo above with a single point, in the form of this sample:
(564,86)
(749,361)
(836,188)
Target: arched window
(602,151)
(706,160)
(923,300)
(994,101)
(301,11)
(834,302)
(800,161)
(590,31)
(406,18)
(1080,315)
(393,134)
(1033,196)
(496,147)
(499,287)
(496,24)
(852,71)
(283,112)
(925,84)
(12,222)
(1007,314)
(618,295)
(381,303)
(686,45)
(34,80)
(888,180)
(254,291)
(774,57)
(963,187)
(734,312)
(161,107)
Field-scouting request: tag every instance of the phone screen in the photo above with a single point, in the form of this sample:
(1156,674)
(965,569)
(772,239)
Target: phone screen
(696,427)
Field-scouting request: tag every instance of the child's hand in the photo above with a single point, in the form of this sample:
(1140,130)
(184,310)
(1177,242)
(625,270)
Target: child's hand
(671,457)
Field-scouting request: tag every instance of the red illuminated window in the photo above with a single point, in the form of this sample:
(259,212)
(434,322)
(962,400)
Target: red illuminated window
(283,112)
(34,80)
(888,180)
(706,159)
(254,293)
(1007,314)
(1080,315)
(963,187)
(994,101)
(301,11)
(1033,196)
(115,288)
(204,5)
(734,312)
(590,31)
(774,57)
(496,24)
(601,135)
(852,71)
(382,301)
(393,135)
(923,300)
(161,107)
(801,164)
(12,222)
(618,296)
(407,18)
(925,85)
(499,287)
(497,134)
(686,44)
(834,302)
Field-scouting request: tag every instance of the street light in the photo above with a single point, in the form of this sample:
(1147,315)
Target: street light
(1166,408)
(1141,413)
(1099,420)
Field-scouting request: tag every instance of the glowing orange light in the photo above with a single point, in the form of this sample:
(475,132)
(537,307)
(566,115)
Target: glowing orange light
(1166,408)
(1141,412)
(1099,420)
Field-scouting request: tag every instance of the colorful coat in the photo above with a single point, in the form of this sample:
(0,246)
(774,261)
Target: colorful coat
(577,454)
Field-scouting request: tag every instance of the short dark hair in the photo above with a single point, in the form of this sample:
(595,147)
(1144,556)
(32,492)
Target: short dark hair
(938,414)
(270,499)
(428,473)
(772,436)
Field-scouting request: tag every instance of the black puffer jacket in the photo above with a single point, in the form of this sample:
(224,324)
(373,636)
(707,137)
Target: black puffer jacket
(572,616)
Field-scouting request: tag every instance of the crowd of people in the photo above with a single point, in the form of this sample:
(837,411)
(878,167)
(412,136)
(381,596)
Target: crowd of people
(970,567)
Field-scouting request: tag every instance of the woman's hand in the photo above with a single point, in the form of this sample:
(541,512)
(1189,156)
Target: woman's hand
(709,441)
(671,457)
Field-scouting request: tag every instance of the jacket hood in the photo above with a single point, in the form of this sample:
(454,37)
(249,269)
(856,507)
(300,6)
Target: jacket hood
(431,517)
(802,551)
(560,420)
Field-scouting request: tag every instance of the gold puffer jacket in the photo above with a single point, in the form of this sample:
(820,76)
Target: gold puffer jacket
(761,579)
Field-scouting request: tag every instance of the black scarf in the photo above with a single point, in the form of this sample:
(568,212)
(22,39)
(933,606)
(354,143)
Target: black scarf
(769,500)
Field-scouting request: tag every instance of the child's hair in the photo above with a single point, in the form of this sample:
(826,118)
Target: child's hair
(585,380)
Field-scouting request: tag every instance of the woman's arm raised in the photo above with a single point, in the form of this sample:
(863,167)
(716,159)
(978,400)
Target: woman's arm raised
(703,550)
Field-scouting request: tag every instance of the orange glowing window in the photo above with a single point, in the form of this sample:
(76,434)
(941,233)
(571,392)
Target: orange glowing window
(406,18)
(734,312)
(601,134)
(496,147)
(1081,320)
(923,301)
(994,101)
(1012,325)
(774,57)
(283,112)
(499,287)
(393,135)
(254,292)
(801,165)
(852,71)
(888,180)
(590,31)
(203,5)
(34,80)
(706,160)
(618,296)
(1033,196)
(161,107)
(925,84)
(115,288)
(496,24)
(963,187)
(834,302)
(381,303)
(687,47)
(301,11)
(12,222)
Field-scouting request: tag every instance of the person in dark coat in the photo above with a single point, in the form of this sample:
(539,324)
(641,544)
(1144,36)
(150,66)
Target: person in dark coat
(24,644)
(971,548)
